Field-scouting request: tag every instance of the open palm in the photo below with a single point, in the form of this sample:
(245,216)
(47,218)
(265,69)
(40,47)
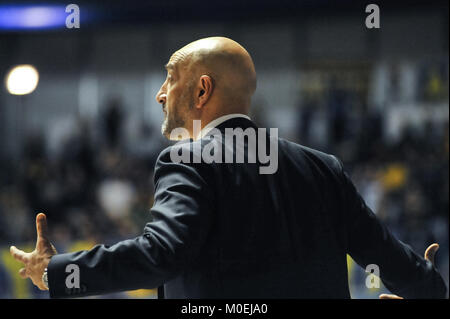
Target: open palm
(36,261)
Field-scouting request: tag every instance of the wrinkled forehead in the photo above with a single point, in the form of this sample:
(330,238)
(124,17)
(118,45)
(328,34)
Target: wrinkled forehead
(178,60)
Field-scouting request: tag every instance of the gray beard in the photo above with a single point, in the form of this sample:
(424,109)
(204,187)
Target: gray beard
(170,124)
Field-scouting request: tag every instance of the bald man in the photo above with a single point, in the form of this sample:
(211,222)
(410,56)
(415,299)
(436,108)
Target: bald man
(225,229)
(206,79)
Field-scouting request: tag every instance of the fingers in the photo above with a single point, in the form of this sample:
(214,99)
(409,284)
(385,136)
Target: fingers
(431,251)
(388,296)
(23,273)
(19,255)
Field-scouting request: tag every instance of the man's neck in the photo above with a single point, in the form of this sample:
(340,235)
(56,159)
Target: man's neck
(201,130)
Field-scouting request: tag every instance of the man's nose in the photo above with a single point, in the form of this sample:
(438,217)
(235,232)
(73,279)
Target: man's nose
(161,97)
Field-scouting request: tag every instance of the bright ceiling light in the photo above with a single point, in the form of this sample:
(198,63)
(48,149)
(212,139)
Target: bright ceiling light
(22,79)
(17,17)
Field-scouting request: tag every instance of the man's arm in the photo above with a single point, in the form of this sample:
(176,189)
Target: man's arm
(403,271)
(182,218)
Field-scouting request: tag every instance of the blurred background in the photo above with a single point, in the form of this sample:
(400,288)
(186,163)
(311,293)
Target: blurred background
(82,145)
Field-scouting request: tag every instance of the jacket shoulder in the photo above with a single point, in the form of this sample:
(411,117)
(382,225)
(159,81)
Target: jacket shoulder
(318,157)
(183,156)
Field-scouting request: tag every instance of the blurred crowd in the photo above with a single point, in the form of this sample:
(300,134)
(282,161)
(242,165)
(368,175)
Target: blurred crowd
(403,177)
(93,189)
(96,190)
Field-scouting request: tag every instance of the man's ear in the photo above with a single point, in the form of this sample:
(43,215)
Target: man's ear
(204,90)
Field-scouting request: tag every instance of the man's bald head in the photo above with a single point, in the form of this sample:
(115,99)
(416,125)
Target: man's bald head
(206,79)
(226,62)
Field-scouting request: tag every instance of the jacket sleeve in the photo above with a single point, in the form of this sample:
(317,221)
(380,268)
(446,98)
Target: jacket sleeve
(403,272)
(181,220)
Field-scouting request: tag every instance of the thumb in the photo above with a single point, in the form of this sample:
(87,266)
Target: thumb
(389,296)
(431,252)
(42,230)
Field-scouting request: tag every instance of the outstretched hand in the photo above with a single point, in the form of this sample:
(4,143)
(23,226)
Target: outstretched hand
(429,255)
(36,261)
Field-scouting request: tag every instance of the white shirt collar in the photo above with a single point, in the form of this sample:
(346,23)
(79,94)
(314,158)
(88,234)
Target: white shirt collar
(218,121)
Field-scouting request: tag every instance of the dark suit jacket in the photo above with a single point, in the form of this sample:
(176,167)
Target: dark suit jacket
(224,230)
